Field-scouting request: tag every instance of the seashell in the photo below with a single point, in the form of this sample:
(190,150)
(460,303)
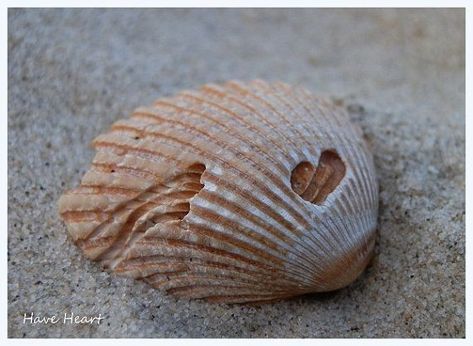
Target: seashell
(235,193)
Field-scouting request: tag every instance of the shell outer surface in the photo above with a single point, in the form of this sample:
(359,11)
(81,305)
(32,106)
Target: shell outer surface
(239,192)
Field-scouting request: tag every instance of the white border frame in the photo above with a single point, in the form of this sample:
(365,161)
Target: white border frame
(219,3)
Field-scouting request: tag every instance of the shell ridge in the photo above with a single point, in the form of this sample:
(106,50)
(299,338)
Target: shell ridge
(352,154)
(298,269)
(281,167)
(268,95)
(344,234)
(224,267)
(264,124)
(300,205)
(255,95)
(121,240)
(306,259)
(302,103)
(361,189)
(285,190)
(195,194)
(230,117)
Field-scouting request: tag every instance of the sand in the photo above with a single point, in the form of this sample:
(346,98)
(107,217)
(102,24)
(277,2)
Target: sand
(400,73)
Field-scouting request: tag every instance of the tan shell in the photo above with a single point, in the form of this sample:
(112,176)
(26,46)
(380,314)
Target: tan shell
(236,193)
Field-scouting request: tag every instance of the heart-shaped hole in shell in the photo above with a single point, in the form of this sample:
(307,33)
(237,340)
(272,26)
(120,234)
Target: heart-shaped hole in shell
(314,184)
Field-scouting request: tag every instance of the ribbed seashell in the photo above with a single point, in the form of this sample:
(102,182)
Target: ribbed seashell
(239,192)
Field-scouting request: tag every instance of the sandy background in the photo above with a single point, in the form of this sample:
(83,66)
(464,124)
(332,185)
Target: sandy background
(399,72)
